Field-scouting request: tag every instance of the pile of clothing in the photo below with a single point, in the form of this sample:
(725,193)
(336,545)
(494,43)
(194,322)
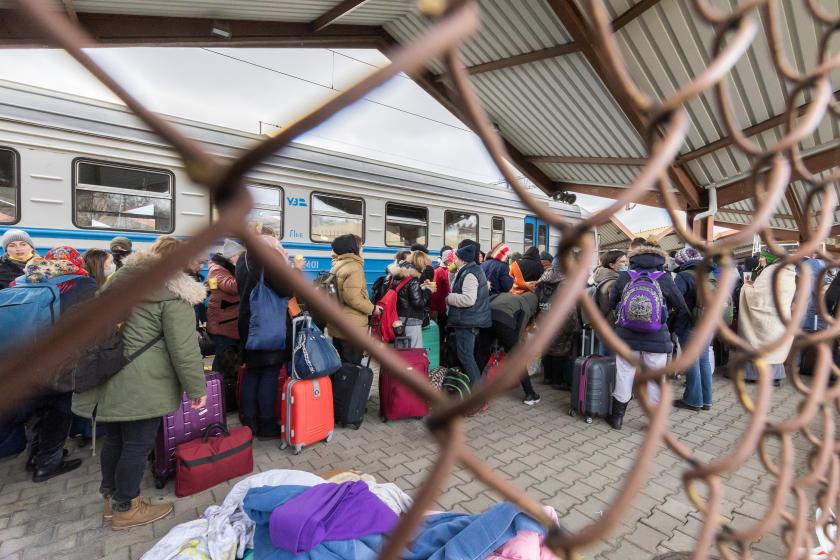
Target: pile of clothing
(295,515)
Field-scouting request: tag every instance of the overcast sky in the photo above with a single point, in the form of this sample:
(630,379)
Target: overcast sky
(238,88)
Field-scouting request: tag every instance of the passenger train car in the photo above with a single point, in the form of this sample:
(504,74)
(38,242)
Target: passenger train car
(78,171)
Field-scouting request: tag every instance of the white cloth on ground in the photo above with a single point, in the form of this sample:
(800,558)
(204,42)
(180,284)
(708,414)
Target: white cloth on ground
(625,373)
(390,494)
(224,531)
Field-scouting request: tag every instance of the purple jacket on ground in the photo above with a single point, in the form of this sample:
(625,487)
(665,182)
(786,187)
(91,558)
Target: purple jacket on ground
(329,512)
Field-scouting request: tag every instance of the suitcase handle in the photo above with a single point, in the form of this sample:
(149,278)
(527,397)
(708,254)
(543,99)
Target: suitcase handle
(212,427)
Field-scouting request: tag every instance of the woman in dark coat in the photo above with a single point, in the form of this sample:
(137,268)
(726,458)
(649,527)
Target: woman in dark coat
(651,348)
(260,386)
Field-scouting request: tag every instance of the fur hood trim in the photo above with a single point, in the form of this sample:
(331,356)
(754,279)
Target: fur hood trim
(180,284)
(400,271)
(649,250)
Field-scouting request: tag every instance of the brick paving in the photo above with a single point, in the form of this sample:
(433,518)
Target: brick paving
(574,467)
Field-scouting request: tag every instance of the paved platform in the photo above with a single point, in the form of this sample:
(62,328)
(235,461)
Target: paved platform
(563,462)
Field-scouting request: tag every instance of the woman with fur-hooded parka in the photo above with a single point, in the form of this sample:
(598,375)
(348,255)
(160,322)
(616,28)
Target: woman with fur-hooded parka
(412,300)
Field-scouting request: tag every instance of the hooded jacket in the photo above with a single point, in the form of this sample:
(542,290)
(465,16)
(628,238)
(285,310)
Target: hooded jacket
(567,335)
(9,270)
(248,274)
(514,311)
(498,274)
(604,277)
(412,300)
(685,278)
(223,311)
(349,270)
(530,264)
(151,385)
(758,321)
(649,259)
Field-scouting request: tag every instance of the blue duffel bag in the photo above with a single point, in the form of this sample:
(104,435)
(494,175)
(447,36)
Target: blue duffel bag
(312,354)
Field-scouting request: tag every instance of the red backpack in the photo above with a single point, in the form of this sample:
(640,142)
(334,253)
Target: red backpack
(388,303)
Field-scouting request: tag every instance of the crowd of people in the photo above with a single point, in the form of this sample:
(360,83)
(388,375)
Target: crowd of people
(482,304)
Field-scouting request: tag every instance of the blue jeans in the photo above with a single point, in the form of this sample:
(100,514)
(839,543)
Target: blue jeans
(259,392)
(465,348)
(698,381)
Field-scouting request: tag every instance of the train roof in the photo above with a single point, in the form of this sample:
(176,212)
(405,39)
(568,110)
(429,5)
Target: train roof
(57,110)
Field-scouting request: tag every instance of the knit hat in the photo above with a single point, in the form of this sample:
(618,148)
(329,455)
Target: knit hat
(344,244)
(468,252)
(687,254)
(231,248)
(16,235)
(546,256)
(448,257)
(500,251)
(121,244)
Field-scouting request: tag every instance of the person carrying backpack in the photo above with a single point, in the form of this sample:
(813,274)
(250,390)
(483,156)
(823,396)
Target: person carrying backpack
(641,297)
(413,298)
(132,402)
(51,407)
(349,271)
(559,358)
(18,249)
(497,270)
(469,308)
(602,281)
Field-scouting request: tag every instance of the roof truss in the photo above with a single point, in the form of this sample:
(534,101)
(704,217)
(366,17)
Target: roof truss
(336,13)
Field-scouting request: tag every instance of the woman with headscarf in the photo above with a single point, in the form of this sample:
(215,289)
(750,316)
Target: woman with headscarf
(349,270)
(758,319)
(52,408)
(259,389)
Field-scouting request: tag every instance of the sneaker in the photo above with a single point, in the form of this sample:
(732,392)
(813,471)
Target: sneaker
(707,407)
(531,400)
(679,403)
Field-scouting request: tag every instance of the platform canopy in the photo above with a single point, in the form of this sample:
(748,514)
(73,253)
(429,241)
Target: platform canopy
(568,125)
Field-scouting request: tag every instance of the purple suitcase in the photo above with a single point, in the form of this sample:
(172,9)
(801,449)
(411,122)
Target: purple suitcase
(186,424)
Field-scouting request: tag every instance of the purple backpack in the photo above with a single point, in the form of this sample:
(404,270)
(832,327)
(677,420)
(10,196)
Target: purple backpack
(642,303)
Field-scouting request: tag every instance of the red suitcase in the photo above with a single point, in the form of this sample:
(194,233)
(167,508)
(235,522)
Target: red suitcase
(186,424)
(396,401)
(213,459)
(493,366)
(307,415)
(240,375)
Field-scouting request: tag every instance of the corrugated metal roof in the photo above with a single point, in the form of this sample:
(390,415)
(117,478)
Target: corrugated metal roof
(376,12)
(610,236)
(275,10)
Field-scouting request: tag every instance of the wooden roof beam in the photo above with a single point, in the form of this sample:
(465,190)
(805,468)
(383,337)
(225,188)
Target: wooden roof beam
(649,198)
(114,30)
(557,50)
(757,128)
(576,25)
(336,13)
(742,189)
(780,234)
(589,160)
(71,10)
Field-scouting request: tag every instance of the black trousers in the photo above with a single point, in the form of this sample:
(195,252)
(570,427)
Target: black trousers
(349,354)
(52,427)
(507,338)
(124,459)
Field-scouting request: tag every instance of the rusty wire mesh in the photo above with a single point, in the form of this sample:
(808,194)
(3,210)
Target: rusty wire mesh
(666,128)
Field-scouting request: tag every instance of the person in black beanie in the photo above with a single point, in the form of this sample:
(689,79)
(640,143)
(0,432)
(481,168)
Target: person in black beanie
(530,263)
(466,242)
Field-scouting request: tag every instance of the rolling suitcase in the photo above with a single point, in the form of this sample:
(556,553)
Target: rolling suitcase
(431,342)
(306,416)
(351,387)
(593,379)
(396,401)
(186,424)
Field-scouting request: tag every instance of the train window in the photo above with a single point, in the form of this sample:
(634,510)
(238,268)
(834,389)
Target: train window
(542,236)
(334,215)
(458,226)
(497,231)
(405,225)
(113,196)
(268,207)
(529,234)
(9,186)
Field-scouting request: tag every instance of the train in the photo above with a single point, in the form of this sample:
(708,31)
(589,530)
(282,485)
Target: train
(78,171)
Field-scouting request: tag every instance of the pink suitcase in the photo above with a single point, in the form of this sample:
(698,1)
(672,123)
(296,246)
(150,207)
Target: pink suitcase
(307,414)
(186,424)
(396,401)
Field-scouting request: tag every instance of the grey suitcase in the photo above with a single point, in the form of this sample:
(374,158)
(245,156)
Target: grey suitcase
(593,380)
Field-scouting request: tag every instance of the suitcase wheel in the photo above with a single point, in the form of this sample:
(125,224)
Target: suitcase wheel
(356,426)
(298,449)
(588,419)
(83,441)
(160,482)
(329,437)
(283,445)
(572,412)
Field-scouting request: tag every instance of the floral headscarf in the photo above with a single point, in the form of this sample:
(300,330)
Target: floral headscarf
(57,262)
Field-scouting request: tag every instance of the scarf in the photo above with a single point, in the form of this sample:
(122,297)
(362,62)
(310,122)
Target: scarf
(59,261)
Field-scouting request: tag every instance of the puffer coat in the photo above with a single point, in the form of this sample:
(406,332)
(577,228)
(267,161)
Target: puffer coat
(223,311)
(349,270)
(412,300)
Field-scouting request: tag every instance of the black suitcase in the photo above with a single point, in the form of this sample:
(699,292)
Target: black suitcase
(351,387)
(593,380)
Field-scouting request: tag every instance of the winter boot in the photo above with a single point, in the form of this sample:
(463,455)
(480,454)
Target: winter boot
(42,474)
(616,417)
(139,513)
(269,428)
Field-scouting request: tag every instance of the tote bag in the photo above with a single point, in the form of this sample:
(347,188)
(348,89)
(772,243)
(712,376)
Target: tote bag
(267,328)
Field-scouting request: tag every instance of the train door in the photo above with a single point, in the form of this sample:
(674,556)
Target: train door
(536,233)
